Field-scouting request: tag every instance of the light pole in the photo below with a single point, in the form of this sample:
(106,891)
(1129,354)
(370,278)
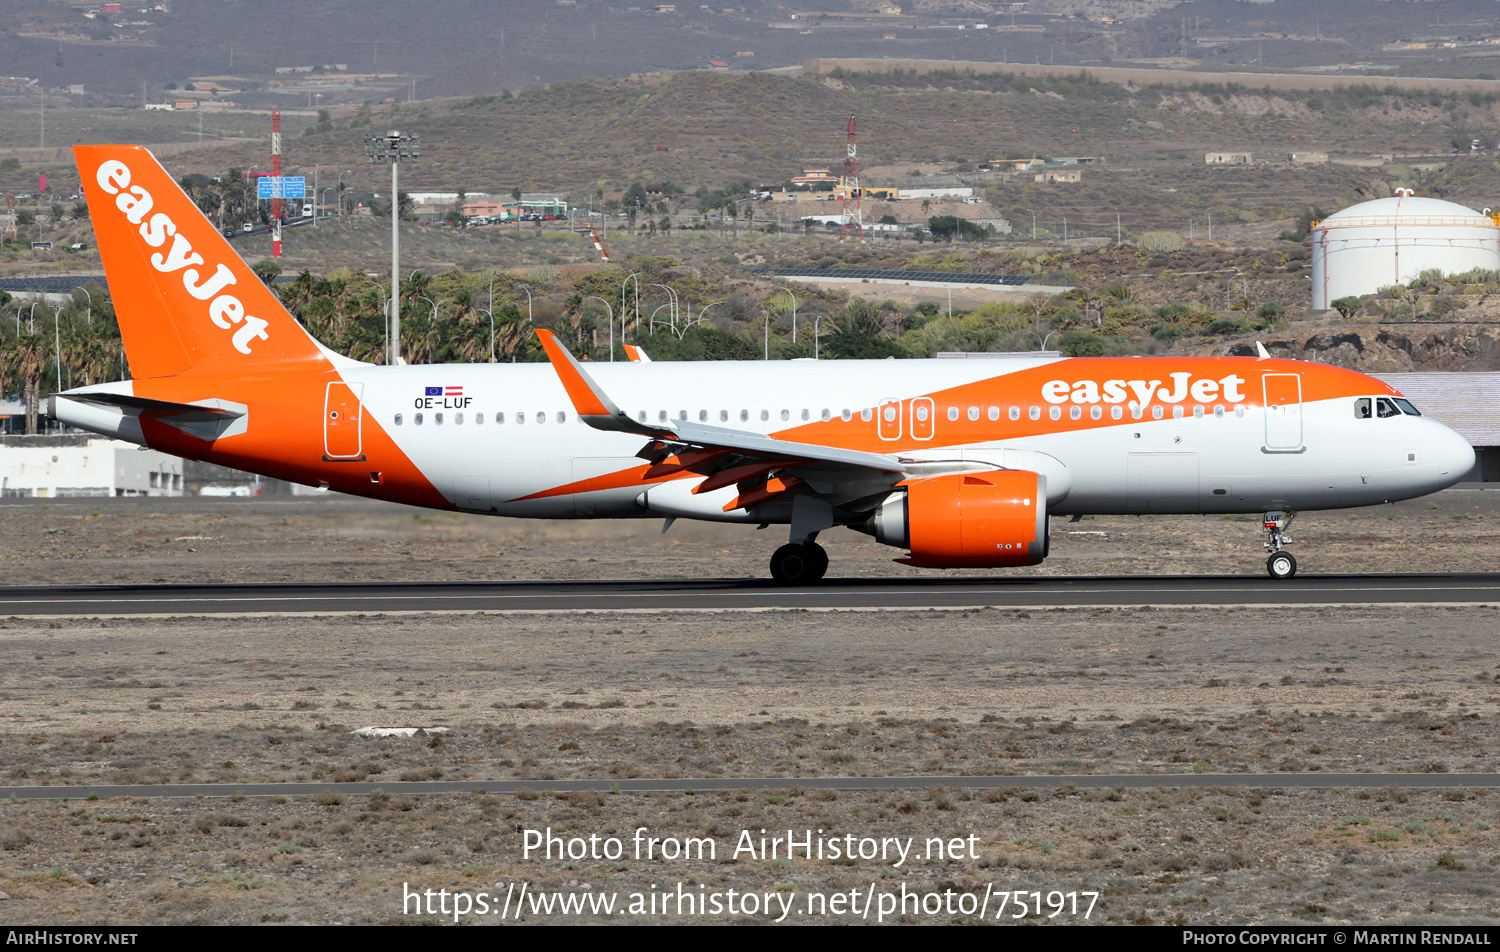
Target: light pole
(601,300)
(528,302)
(673,295)
(633,276)
(491,315)
(394,147)
(89,318)
(817,319)
(57,340)
(704,309)
(794,313)
(652,328)
(315,194)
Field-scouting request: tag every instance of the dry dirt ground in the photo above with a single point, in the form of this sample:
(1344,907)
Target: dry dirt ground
(767,694)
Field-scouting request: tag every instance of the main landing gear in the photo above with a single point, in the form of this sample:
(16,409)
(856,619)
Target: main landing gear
(1280,564)
(795,564)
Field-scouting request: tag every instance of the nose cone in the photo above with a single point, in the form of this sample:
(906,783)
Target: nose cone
(1455,456)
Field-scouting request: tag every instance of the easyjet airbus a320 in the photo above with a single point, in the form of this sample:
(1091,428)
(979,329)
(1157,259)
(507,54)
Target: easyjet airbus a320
(959,462)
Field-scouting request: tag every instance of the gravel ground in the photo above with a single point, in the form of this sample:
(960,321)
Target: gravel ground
(768,694)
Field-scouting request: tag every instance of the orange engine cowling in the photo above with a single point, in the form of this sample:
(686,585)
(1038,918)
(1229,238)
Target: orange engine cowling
(989,519)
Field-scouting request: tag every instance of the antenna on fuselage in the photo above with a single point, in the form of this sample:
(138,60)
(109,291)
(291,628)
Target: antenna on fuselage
(1261,349)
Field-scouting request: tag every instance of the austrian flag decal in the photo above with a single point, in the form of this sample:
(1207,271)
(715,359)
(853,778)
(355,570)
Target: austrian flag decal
(443,398)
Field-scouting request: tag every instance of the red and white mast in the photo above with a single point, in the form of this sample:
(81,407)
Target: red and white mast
(276,183)
(853,217)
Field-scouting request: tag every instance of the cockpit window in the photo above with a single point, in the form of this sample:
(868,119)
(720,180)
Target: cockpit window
(1406,407)
(1385,408)
(1362,408)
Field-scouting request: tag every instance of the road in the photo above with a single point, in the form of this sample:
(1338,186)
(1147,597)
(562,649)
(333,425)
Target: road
(752,594)
(1302,781)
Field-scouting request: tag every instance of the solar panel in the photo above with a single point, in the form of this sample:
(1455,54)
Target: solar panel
(873,274)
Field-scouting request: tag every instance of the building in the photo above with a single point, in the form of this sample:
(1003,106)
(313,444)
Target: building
(184,104)
(1227,158)
(908,194)
(1309,158)
(84,465)
(747,53)
(1059,175)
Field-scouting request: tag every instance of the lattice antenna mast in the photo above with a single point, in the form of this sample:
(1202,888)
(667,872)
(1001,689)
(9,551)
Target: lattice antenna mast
(276,183)
(853,217)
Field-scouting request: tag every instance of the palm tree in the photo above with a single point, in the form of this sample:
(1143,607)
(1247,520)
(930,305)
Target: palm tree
(28,358)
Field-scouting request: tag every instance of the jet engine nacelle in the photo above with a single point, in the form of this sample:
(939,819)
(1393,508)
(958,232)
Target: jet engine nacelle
(990,519)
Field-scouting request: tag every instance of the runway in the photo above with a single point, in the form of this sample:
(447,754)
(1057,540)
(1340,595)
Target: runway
(656,595)
(1301,781)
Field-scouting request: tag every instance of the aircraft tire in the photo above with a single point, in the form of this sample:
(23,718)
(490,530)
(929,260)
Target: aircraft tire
(819,558)
(795,565)
(1281,565)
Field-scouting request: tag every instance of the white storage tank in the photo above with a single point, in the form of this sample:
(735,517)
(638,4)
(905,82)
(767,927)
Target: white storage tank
(1366,247)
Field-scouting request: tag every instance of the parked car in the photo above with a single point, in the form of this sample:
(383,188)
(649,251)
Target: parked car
(249,228)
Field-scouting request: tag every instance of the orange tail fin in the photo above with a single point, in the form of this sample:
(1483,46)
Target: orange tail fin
(185,301)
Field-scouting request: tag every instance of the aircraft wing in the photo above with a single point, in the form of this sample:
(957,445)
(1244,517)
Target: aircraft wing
(710,450)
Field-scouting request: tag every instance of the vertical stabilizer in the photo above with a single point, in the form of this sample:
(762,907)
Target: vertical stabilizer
(184,299)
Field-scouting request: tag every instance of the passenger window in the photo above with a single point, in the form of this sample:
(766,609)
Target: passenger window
(661,416)
(786,415)
(1056,413)
(723,416)
(864,414)
(500,418)
(1115,412)
(1385,408)
(1219,410)
(1036,413)
(994,413)
(806,414)
(952,413)
(922,414)
(437,419)
(562,417)
(458,419)
(827,414)
(1197,413)
(479,419)
(541,417)
(642,416)
(521,417)
(1075,412)
(1096,412)
(702,416)
(398,419)
(744,416)
(765,415)
(1362,408)
(1015,413)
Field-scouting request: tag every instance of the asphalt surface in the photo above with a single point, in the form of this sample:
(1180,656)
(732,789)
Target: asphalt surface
(1303,781)
(751,594)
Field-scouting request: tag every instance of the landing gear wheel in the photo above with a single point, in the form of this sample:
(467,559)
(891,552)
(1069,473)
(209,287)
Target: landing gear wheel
(819,558)
(798,564)
(1281,565)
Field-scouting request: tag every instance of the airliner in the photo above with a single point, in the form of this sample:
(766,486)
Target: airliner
(961,463)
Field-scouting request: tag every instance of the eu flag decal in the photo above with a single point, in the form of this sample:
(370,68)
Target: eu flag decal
(434,391)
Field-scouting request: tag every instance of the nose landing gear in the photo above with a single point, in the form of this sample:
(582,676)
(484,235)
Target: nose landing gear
(1280,564)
